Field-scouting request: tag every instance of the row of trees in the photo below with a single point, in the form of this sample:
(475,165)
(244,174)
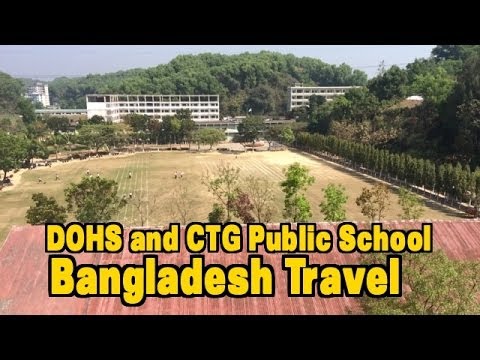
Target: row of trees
(252,199)
(458,182)
(20,142)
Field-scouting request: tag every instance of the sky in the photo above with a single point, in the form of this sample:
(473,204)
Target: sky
(46,62)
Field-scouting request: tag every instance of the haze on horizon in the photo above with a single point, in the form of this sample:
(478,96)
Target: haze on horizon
(46,62)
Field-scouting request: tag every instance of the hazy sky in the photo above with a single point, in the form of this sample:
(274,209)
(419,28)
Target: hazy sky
(49,61)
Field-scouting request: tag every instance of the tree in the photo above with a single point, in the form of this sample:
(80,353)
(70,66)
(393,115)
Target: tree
(243,207)
(272,133)
(433,285)
(319,114)
(333,206)
(287,136)
(390,84)
(26,110)
(249,129)
(468,138)
(209,136)
(260,193)
(55,140)
(96,120)
(435,85)
(374,202)
(37,130)
(45,210)
(446,52)
(297,180)
(136,121)
(11,126)
(171,126)
(224,186)
(187,125)
(357,105)
(411,204)
(144,206)
(261,100)
(94,200)
(10,92)
(217,215)
(35,149)
(181,206)
(283,134)
(13,151)
(58,124)
(97,136)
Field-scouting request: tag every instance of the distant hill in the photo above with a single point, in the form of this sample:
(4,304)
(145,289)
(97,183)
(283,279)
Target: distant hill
(258,81)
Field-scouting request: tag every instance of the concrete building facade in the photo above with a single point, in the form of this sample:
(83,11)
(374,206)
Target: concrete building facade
(299,95)
(112,107)
(39,92)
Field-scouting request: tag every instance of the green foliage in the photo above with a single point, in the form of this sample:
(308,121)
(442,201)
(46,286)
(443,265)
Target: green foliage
(361,105)
(94,200)
(273,133)
(136,121)
(217,215)
(435,85)
(444,52)
(319,113)
(411,204)
(258,81)
(374,202)
(10,93)
(208,136)
(12,124)
(13,151)
(45,210)
(433,284)
(333,205)
(26,110)
(58,124)
(297,180)
(171,126)
(389,85)
(468,137)
(224,186)
(287,136)
(280,133)
(96,120)
(187,125)
(249,129)
(97,136)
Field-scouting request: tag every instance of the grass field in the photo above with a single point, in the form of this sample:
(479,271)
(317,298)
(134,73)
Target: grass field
(153,178)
